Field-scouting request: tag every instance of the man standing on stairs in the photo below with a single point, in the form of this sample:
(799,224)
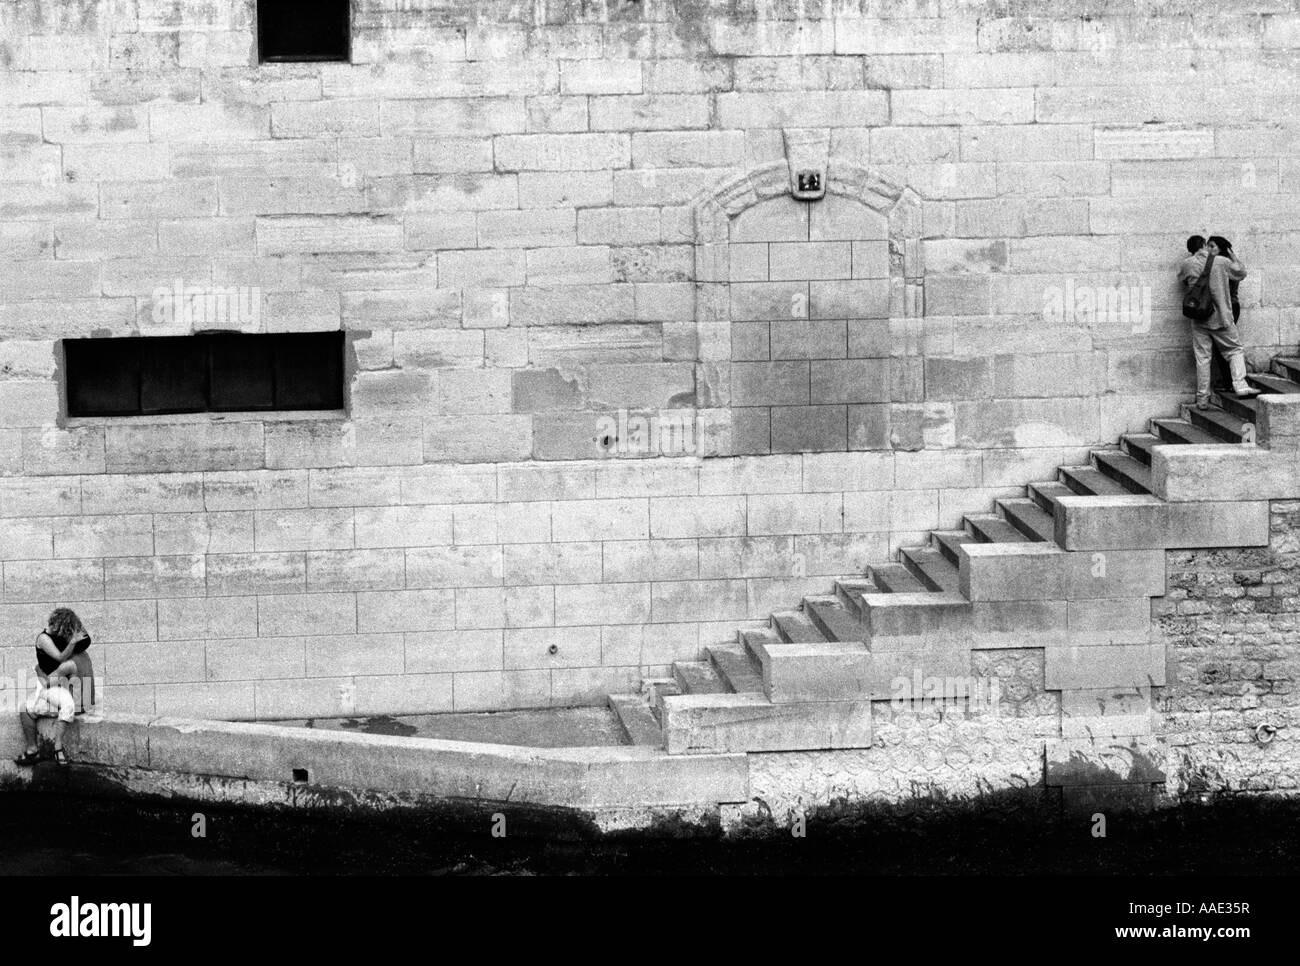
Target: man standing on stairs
(1220,329)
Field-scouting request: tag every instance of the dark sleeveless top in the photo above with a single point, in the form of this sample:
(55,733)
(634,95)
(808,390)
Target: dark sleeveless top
(47,662)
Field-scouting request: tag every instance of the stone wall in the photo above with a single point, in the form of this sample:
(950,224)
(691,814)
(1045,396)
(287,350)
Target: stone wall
(1231,626)
(512,210)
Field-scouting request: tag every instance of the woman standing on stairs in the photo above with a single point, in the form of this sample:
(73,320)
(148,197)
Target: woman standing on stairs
(1220,328)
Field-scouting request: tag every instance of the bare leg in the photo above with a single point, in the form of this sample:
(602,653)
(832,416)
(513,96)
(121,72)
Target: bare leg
(60,726)
(29,731)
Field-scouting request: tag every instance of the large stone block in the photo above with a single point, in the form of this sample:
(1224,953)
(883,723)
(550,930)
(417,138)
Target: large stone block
(453,567)
(340,655)
(699,723)
(288,615)
(625,561)
(46,580)
(612,519)
(355,570)
(152,578)
(305,529)
(1016,623)
(164,663)
(802,109)
(177,448)
(963,107)
(403,526)
(650,112)
(1136,522)
(598,604)
(320,234)
(552,563)
(1201,473)
(796,513)
(798,429)
(1106,713)
(914,621)
(324,119)
(244,574)
(1103,621)
(1091,666)
(256,658)
(193,198)
(1012,571)
(211,618)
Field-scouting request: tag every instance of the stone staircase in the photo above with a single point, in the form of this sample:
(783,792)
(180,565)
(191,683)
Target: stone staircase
(1069,568)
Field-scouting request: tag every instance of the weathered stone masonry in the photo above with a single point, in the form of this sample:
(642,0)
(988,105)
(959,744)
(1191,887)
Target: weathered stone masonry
(1231,623)
(507,206)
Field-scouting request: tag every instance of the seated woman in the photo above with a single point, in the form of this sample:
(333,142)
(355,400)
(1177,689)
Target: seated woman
(60,650)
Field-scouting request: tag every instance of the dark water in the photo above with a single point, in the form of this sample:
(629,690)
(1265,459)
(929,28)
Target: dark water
(42,834)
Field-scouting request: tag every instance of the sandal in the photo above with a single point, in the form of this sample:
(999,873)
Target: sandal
(27,759)
(61,758)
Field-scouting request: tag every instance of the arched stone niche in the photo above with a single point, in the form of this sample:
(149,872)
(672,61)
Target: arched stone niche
(808,314)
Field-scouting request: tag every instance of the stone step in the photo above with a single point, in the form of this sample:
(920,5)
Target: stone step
(1047,493)
(711,723)
(988,528)
(796,627)
(1288,367)
(912,621)
(1124,469)
(656,689)
(832,670)
(1029,518)
(1138,446)
(737,667)
(932,568)
(1012,571)
(896,579)
(1181,431)
(1238,407)
(1089,481)
(751,641)
(1134,522)
(638,721)
(849,592)
(834,620)
(1270,383)
(697,677)
(1229,429)
(848,671)
(947,543)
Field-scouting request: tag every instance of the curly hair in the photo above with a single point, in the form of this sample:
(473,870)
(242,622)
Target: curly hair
(65,623)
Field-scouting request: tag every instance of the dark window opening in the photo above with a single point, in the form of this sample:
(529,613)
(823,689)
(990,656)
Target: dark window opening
(304,30)
(218,373)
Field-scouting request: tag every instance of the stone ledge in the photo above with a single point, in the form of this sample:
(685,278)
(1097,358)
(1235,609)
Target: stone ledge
(714,723)
(1094,666)
(1147,522)
(846,671)
(580,777)
(1213,473)
(1045,572)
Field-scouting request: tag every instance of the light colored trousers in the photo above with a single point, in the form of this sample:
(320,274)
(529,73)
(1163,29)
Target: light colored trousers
(1229,342)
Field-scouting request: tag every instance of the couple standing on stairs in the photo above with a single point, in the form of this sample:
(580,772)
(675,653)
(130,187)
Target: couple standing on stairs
(1220,329)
